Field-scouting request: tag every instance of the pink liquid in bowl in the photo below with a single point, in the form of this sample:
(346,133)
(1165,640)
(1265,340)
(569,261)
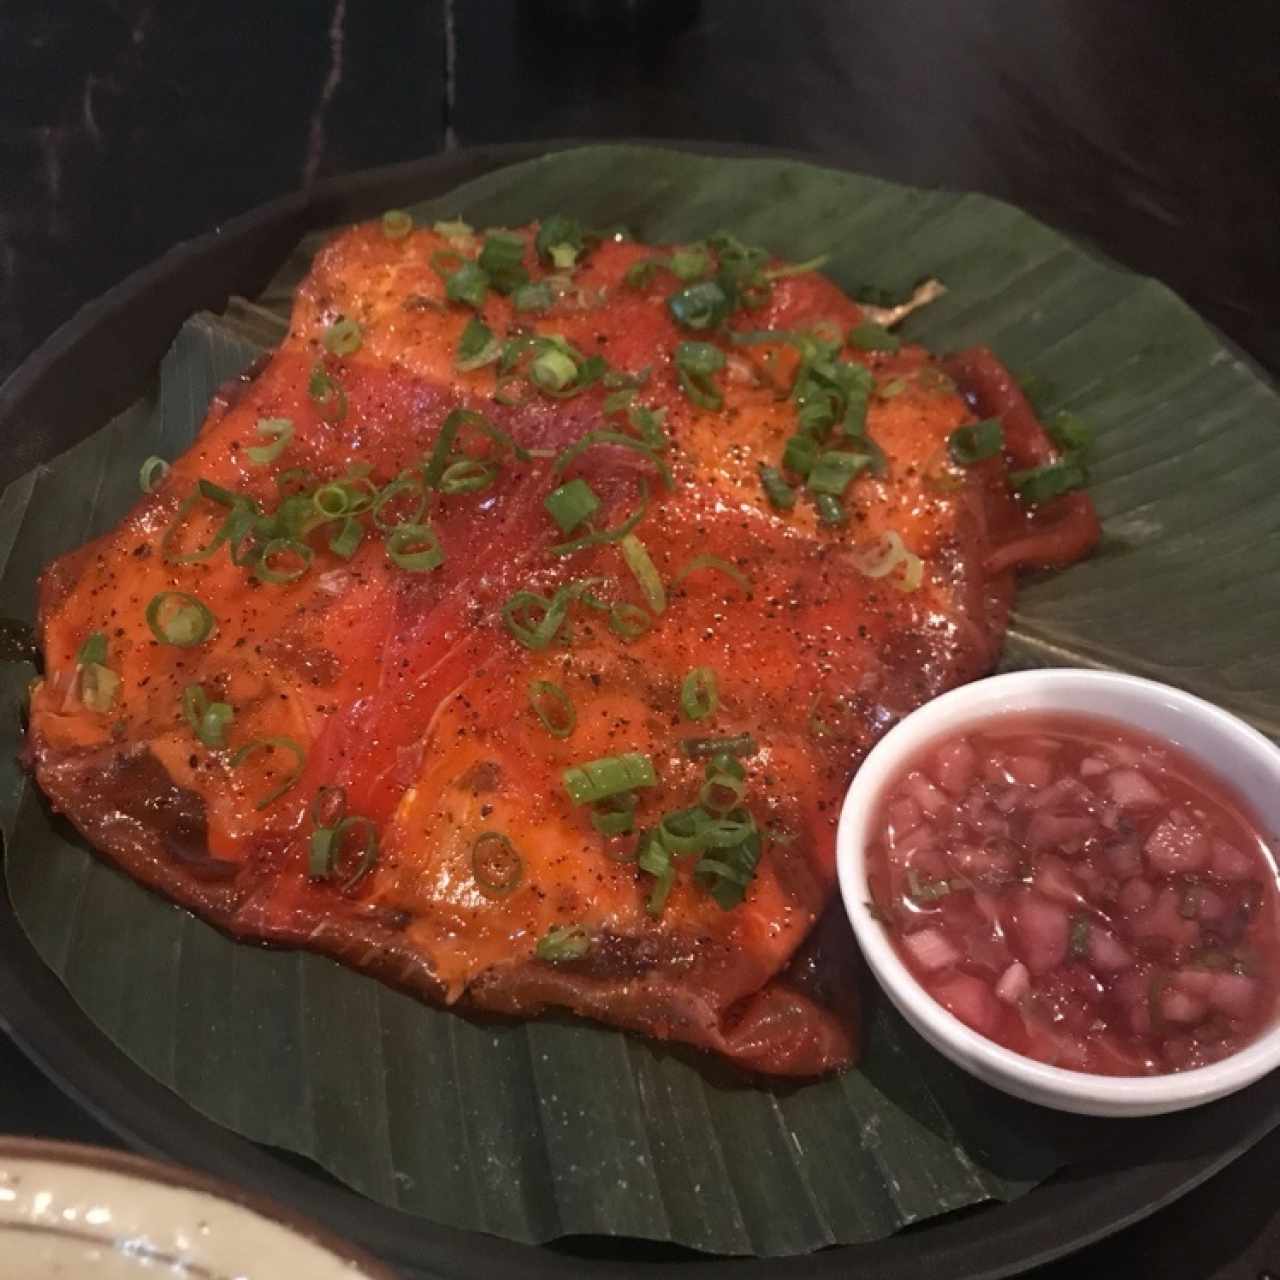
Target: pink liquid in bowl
(1081,893)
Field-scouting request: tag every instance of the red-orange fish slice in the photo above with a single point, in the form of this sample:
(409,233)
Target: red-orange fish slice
(337,681)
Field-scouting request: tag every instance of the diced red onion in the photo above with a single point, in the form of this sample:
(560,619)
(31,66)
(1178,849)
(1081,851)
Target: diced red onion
(1131,789)
(1041,929)
(1177,846)
(931,949)
(1014,983)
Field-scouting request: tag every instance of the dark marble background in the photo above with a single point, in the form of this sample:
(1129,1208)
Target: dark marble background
(1152,129)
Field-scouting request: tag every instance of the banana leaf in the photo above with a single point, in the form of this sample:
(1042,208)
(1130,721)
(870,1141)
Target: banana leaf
(554,1128)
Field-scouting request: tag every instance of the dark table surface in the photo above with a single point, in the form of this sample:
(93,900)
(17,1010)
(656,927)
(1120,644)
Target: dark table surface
(1151,129)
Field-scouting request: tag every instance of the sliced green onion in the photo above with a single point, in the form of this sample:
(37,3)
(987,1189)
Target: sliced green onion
(722,791)
(830,510)
(396,224)
(553,707)
(691,263)
(477,347)
(332,501)
(152,473)
(458,233)
(636,554)
(800,453)
(776,488)
(468,284)
(279,431)
(699,697)
(598,537)
(648,425)
(833,470)
(968,445)
(169,540)
(815,263)
(468,475)
(533,297)
(368,854)
(495,864)
(442,450)
(328,396)
(266,570)
(93,650)
(596,780)
(885,555)
(696,362)
(1068,432)
(343,337)
(653,857)
(559,241)
(683,831)
(595,439)
(98,686)
(553,370)
(209,721)
(346,541)
(320,854)
(742,744)
(415,547)
(615,816)
(294,481)
(700,306)
(639,275)
(179,619)
(549,613)
(407,483)
(698,563)
(1042,484)
(502,260)
(571,504)
(273,744)
(563,942)
(629,621)
(869,336)
(727,875)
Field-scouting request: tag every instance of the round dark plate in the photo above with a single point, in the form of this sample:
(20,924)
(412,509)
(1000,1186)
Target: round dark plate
(93,367)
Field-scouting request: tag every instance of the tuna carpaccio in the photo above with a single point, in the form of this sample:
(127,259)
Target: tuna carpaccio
(372,669)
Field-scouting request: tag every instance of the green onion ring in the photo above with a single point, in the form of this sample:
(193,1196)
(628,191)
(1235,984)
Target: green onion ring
(415,548)
(402,484)
(271,744)
(597,537)
(714,562)
(263,571)
(629,621)
(553,707)
(468,475)
(699,696)
(152,473)
(184,624)
(496,865)
(636,554)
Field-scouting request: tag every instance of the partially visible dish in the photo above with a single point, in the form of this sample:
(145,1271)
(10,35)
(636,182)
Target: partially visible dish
(75,1211)
(513,633)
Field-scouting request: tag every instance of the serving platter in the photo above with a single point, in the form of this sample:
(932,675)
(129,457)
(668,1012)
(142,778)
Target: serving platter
(97,365)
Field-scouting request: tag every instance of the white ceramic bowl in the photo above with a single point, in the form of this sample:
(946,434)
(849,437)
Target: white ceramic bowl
(1223,742)
(68,1210)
